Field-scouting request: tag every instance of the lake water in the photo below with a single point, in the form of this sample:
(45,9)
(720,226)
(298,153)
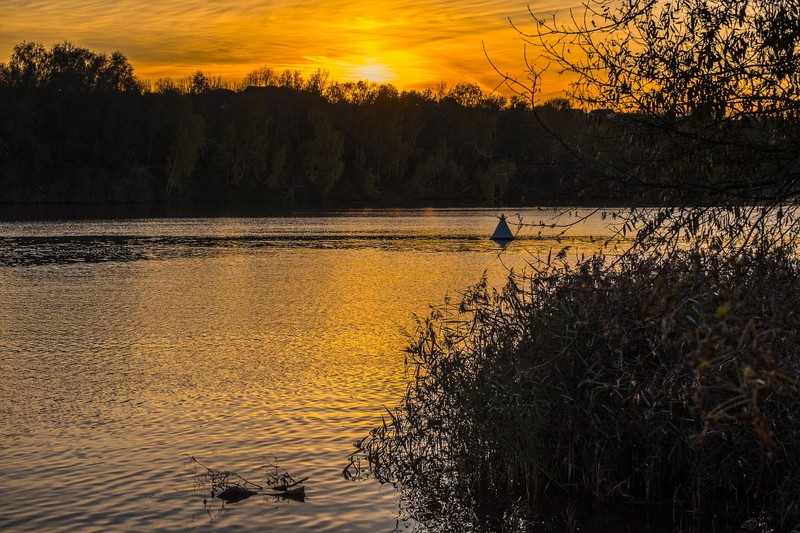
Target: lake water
(129,345)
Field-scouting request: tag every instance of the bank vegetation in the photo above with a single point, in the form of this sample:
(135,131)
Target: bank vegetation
(667,377)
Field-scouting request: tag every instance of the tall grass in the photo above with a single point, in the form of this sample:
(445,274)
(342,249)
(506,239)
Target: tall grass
(669,379)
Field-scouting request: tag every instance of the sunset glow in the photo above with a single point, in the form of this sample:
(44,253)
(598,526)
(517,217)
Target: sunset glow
(409,43)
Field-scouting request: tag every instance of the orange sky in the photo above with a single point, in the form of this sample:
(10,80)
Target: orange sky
(411,43)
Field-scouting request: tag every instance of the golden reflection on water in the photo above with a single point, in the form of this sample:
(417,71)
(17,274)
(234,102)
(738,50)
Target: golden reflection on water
(226,350)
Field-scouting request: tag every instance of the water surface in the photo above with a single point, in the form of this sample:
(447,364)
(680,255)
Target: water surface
(128,345)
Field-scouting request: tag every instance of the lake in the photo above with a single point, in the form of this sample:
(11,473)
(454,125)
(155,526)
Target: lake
(128,346)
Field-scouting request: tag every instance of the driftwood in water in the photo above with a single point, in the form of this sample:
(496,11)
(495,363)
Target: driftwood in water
(288,487)
(231,487)
(235,493)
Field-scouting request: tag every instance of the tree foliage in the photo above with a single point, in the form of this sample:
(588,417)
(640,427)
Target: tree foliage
(277,137)
(666,380)
(664,374)
(66,67)
(700,98)
(682,58)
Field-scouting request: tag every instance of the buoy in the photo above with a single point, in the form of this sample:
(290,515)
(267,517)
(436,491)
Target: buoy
(502,232)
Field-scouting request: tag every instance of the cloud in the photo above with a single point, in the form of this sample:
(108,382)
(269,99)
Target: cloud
(420,42)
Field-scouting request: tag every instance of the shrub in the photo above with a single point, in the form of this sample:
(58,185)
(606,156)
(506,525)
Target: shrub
(667,379)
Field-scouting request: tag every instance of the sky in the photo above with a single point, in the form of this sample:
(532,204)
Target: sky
(413,44)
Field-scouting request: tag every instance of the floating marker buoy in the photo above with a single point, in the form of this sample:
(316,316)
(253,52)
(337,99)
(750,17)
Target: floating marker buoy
(502,232)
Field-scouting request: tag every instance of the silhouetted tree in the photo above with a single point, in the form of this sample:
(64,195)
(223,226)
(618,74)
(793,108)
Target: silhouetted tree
(261,77)
(28,66)
(317,82)
(291,80)
(75,125)
(466,94)
(321,161)
(200,83)
(186,145)
(66,67)
(701,100)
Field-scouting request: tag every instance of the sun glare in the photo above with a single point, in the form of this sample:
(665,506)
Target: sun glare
(374,70)
(410,44)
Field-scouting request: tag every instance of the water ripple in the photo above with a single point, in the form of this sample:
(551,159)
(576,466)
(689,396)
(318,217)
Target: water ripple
(126,347)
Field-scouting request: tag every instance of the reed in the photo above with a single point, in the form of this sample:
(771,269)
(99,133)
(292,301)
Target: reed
(661,380)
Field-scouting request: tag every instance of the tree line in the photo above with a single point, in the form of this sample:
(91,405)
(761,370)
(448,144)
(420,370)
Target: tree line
(78,126)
